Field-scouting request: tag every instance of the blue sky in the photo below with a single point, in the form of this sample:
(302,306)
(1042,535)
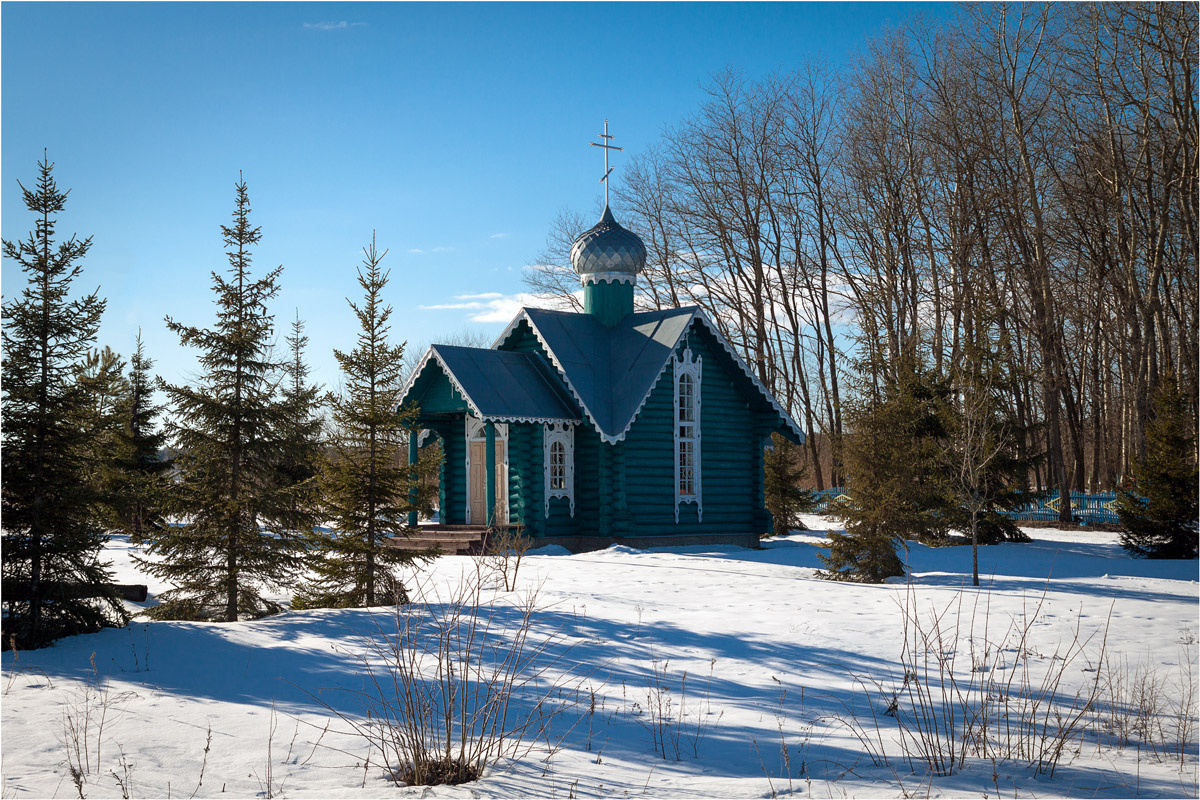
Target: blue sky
(455,131)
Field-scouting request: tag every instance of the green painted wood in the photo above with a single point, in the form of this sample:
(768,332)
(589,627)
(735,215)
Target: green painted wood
(587,484)
(412,477)
(452,496)
(434,394)
(622,523)
(730,483)
(523,340)
(521,477)
(608,302)
(605,490)
(763,425)
(559,522)
(630,491)
(442,481)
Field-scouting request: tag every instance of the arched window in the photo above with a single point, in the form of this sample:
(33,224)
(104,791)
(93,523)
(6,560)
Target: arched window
(559,457)
(687,432)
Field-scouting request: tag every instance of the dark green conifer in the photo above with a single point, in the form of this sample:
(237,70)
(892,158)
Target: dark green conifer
(365,480)
(896,474)
(783,471)
(101,377)
(139,471)
(300,440)
(51,541)
(225,432)
(1160,511)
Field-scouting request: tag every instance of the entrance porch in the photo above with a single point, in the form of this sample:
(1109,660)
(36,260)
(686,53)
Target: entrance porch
(473,489)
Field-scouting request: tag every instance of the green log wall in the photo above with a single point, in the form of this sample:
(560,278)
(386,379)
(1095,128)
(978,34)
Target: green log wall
(628,489)
(730,455)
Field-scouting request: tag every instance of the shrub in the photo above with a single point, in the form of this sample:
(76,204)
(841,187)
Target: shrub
(454,683)
(1162,521)
(504,548)
(783,470)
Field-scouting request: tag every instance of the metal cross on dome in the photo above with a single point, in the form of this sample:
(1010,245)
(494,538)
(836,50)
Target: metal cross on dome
(607,169)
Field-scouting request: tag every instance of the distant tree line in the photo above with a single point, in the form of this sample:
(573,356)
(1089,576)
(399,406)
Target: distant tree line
(1009,197)
(226,491)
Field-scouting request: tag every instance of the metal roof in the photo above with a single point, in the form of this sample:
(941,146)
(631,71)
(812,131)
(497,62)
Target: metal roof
(610,370)
(501,386)
(606,247)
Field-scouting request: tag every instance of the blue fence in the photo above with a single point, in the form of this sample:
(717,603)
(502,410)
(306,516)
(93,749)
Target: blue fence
(1087,509)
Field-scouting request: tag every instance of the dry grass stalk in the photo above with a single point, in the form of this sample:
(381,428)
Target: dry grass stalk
(504,548)
(457,682)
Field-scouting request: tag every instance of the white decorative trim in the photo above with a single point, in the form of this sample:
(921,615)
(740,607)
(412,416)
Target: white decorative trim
(606,277)
(412,378)
(416,373)
(697,314)
(686,364)
(770,398)
(562,373)
(474,409)
(474,431)
(564,434)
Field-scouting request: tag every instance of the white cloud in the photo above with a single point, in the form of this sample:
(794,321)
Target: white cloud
(439,249)
(340,25)
(479,296)
(500,235)
(496,307)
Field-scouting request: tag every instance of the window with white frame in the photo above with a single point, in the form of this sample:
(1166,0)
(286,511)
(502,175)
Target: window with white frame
(559,460)
(687,431)
(558,466)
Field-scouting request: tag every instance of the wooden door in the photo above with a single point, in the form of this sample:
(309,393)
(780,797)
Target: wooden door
(501,483)
(477,481)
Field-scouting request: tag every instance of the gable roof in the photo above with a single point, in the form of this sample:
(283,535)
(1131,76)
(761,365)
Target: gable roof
(611,371)
(498,385)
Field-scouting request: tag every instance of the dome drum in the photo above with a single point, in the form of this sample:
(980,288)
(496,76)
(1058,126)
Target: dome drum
(607,277)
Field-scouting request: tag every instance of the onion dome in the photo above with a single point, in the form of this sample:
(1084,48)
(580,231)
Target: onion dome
(608,252)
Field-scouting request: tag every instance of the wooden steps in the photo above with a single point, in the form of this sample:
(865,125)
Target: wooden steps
(451,540)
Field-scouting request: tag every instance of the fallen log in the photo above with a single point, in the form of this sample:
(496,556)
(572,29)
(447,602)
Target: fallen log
(19,591)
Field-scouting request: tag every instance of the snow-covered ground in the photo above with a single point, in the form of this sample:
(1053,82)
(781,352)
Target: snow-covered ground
(775,660)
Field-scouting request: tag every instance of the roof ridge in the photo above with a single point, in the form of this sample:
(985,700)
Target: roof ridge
(606,387)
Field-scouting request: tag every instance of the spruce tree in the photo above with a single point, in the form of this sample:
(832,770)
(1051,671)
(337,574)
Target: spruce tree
(1160,511)
(52,574)
(896,474)
(365,480)
(102,381)
(300,441)
(225,432)
(783,470)
(139,474)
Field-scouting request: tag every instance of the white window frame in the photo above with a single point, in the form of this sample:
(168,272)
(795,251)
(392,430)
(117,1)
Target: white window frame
(559,433)
(686,364)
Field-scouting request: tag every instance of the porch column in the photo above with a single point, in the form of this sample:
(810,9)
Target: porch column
(490,476)
(413,436)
